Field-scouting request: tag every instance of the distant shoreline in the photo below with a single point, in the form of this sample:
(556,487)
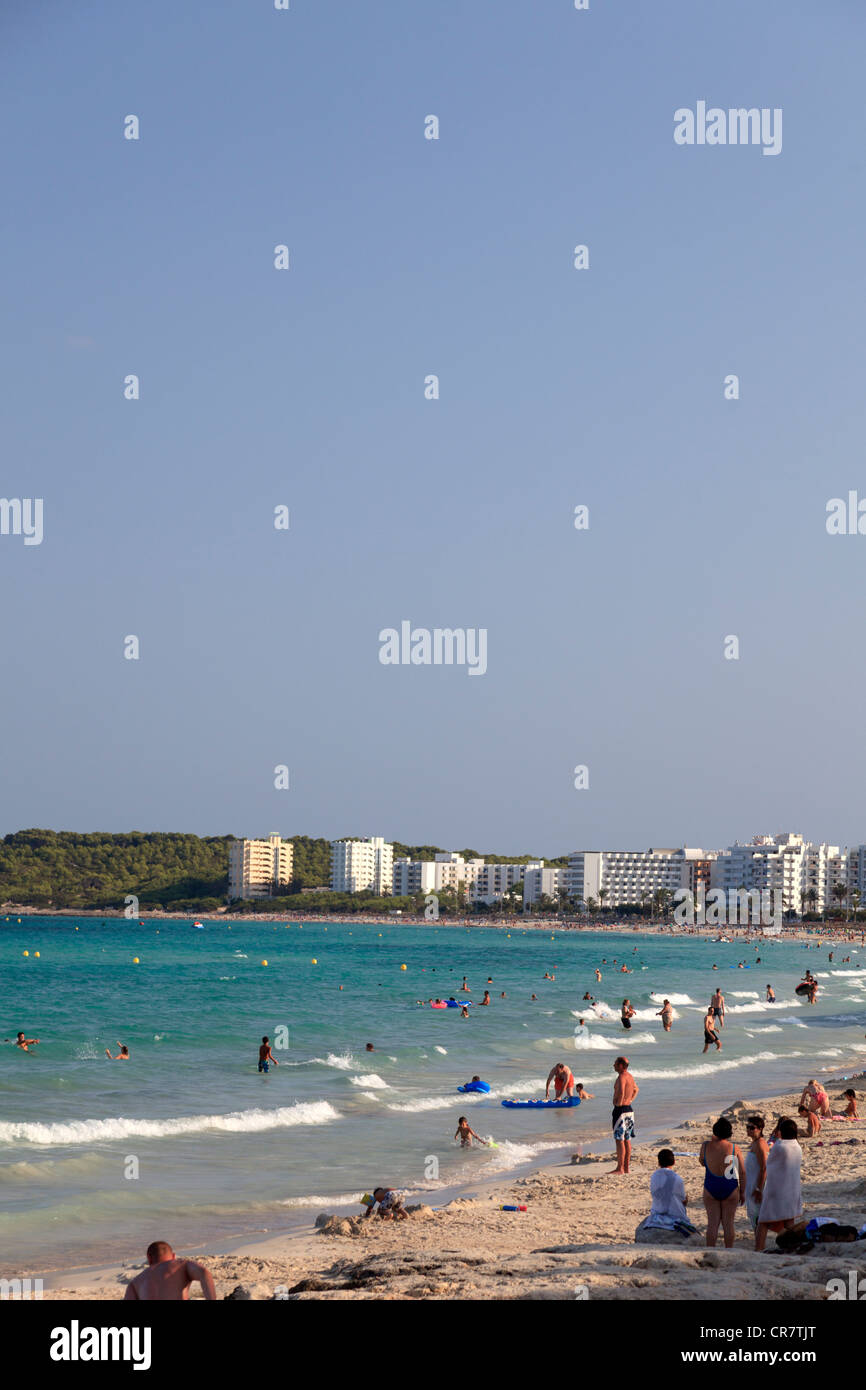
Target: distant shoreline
(801,932)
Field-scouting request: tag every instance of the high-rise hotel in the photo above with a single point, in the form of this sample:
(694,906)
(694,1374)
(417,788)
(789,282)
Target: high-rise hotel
(259,868)
(357,865)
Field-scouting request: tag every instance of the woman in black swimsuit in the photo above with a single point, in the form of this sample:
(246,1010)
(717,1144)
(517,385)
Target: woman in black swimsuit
(628,1013)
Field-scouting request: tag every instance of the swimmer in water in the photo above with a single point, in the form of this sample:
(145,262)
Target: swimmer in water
(597,976)
(465,1133)
(486,999)
(24,1043)
(771,995)
(666,1013)
(464,988)
(122,1056)
(266,1056)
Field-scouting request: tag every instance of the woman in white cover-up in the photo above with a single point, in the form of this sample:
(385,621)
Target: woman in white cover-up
(782,1199)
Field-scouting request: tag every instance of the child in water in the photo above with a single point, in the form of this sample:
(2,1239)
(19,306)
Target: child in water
(465,1133)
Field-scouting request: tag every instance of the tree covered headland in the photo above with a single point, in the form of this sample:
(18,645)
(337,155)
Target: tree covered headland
(178,873)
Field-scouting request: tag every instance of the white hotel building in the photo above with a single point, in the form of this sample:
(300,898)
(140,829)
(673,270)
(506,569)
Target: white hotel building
(360,864)
(487,883)
(633,876)
(788,865)
(255,866)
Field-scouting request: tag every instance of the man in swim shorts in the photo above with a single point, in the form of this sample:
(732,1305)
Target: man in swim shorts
(710,1034)
(167,1279)
(717,1004)
(266,1056)
(624,1092)
(563,1081)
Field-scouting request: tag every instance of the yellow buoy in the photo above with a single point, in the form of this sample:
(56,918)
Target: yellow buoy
(314,961)
(36,953)
(27,953)
(402,967)
(264,962)
(135,960)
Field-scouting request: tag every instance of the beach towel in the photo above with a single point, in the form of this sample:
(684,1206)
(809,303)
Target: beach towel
(659,1222)
(782,1199)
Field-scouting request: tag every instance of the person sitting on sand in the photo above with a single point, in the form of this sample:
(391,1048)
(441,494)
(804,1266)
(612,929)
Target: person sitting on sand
(666,1013)
(465,1133)
(850,1111)
(562,1081)
(390,1203)
(756,1167)
(782,1201)
(813,1124)
(724,1182)
(815,1098)
(668,1191)
(167,1279)
(710,1034)
(122,1056)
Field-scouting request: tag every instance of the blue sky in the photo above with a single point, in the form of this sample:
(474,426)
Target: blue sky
(558,387)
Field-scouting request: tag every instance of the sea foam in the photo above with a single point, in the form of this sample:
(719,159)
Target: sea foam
(317,1112)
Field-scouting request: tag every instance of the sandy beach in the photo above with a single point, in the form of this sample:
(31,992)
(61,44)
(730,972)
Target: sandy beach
(576,1239)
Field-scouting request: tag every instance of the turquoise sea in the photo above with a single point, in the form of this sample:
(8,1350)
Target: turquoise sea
(221,1151)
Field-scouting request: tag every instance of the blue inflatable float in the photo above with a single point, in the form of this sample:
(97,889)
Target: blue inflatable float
(541,1104)
(475,1086)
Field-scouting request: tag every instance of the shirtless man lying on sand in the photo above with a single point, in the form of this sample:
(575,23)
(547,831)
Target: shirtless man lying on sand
(168,1279)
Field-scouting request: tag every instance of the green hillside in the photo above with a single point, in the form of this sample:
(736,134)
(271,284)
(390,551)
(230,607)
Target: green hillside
(185,873)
